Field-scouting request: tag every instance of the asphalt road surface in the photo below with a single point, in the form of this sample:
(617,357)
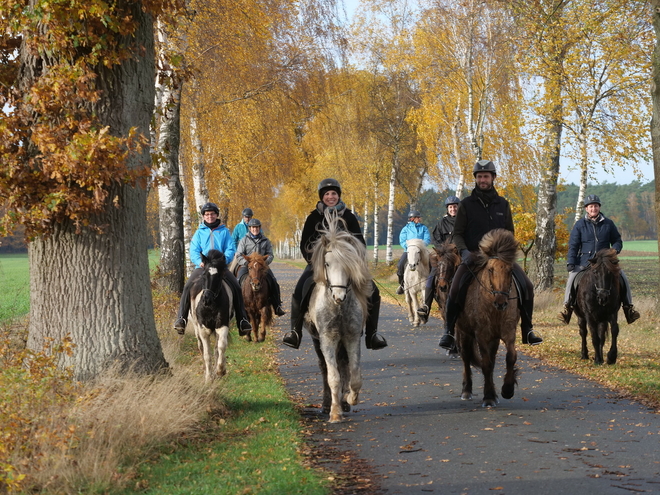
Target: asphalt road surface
(559,433)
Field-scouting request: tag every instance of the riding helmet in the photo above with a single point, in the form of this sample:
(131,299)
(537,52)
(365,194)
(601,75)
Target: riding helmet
(413,214)
(210,207)
(247,212)
(452,200)
(484,166)
(591,199)
(329,185)
(254,223)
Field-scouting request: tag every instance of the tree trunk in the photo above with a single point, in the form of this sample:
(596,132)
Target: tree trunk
(584,174)
(170,192)
(655,122)
(390,216)
(95,287)
(198,159)
(546,241)
(376,230)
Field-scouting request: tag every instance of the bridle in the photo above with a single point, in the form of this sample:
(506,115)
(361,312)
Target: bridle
(330,286)
(491,291)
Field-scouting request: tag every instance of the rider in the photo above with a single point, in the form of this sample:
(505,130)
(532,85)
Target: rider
(241,227)
(442,232)
(330,198)
(479,213)
(590,234)
(212,234)
(414,229)
(256,242)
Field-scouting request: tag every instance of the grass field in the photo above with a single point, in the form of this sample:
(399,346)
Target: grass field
(14,286)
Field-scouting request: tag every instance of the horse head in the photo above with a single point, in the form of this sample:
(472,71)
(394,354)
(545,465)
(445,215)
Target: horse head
(605,269)
(498,251)
(416,254)
(446,261)
(257,267)
(336,277)
(214,264)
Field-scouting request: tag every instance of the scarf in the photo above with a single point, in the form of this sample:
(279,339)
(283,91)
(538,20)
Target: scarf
(213,225)
(340,207)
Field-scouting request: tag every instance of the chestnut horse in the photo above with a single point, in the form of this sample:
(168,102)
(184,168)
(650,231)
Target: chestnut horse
(446,260)
(210,312)
(597,304)
(256,296)
(490,314)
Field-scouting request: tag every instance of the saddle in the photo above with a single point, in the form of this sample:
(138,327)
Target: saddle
(574,286)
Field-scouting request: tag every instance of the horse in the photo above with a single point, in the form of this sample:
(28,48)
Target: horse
(490,314)
(210,312)
(414,277)
(446,260)
(256,296)
(337,313)
(597,304)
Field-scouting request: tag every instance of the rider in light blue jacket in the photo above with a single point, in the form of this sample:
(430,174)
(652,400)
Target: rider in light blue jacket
(414,229)
(212,234)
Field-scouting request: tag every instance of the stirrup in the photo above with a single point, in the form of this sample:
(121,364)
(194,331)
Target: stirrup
(244,328)
(291,339)
(180,325)
(447,341)
(375,342)
(532,338)
(279,311)
(632,315)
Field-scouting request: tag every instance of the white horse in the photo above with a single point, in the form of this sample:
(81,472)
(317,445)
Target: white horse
(414,277)
(337,313)
(210,312)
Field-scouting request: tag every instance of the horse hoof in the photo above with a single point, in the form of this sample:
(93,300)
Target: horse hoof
(507,391)
(466,396)
(489,403)
(345,407)
(352,398)
(335,418)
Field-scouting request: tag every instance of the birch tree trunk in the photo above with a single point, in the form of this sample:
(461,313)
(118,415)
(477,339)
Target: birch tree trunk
(376,229)
(584,174)
(655,122)
(198,159)
(94,286)
(170,192)
(366,221)
(390,215)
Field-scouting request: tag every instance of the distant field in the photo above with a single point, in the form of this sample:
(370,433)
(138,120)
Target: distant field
(14,285)
(642,246)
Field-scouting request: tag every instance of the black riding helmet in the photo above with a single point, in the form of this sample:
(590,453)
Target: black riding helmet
(329,185)
(484,166)
(591,199)
(452,200)
(247,212)
(254,223)
(413,214)
(210,207)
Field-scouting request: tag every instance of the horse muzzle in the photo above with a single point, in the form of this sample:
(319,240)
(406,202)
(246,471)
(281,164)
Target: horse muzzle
(256,286)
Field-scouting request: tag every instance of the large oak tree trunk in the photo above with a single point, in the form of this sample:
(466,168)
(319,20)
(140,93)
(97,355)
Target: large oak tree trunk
(93,286)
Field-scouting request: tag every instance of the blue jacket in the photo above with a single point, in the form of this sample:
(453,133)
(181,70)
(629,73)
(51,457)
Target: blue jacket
(239,232)
(588,237)
(204,240)
(414,230)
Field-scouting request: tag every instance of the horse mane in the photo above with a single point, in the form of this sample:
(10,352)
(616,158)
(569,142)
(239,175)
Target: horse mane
(498,243)
(609,258)
(216,259)
(260,259)
(348,251)
(422,248)
(446,249)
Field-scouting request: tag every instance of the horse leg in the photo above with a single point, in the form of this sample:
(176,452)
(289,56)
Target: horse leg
(582,324)
(414,306)
(204,345)
(614,351)
(222,335)
(488,354)
(354,372)
(467,354)
(597,342)
(327,399)
(262,324)
(411,314)
(334,379)
(510,380)
(344,375)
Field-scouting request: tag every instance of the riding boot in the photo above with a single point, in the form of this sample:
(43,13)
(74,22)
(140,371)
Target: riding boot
(447,340)
(424,311)
(632,315)
(276,297)
(293,338)
(526,306)
(372,340)
(566,313)
(399,289)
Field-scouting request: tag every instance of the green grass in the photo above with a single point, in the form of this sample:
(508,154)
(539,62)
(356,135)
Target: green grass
(641,246)
(15,286)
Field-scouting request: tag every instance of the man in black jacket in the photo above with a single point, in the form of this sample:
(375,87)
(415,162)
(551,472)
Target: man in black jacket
(479,213)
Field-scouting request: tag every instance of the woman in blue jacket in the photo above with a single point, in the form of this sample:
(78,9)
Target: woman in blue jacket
(212,234)
(590,234)
(414,229)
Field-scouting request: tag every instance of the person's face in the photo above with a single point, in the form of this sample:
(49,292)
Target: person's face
(255,230)
(484,180)
(593,210)
(246,219)
(416,219)
(452,209)
(210,216)
(330,198)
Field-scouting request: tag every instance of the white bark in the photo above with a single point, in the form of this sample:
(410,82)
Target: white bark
(376,230)
(390,216)
(198,159)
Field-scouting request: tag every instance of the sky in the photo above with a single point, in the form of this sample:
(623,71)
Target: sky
(620,176)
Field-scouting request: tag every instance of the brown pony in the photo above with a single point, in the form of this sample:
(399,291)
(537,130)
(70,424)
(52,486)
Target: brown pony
(445,259)
(490,315)
(256,296)
(597,304)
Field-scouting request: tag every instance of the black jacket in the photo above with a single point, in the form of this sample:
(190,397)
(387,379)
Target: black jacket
(314,222)
(443,230)
(588,237)
(476,217)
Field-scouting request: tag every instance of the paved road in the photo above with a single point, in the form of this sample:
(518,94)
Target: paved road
(559,434)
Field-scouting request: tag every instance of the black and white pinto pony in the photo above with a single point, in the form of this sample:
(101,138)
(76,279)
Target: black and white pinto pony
(337,313)
(414,277)
(597,305)
(210,312)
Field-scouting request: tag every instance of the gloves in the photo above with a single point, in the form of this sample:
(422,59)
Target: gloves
(465,254)
(570,268)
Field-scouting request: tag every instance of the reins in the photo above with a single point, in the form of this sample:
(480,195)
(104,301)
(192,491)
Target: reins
(330,286)
(490,291)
